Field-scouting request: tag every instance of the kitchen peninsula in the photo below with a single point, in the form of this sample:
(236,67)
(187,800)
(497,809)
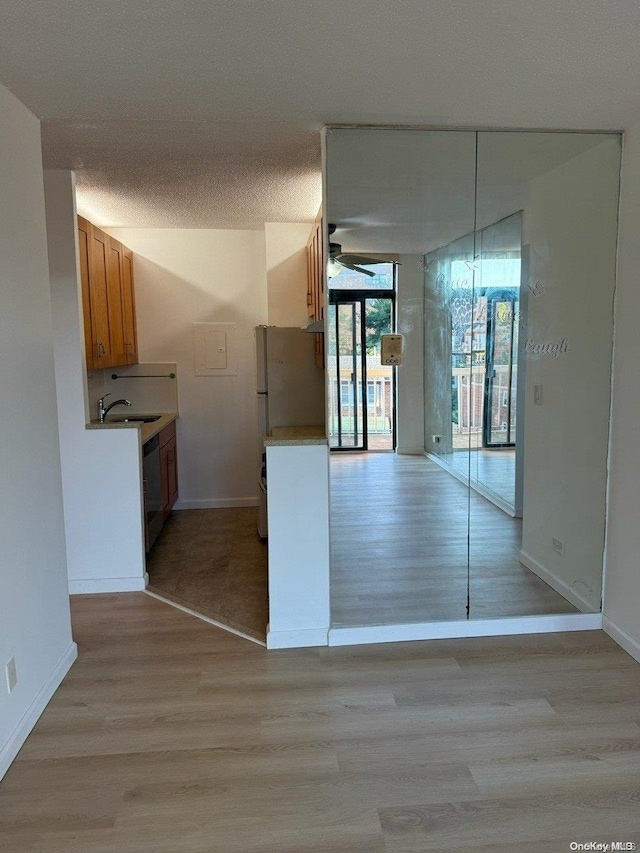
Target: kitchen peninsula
(298,501)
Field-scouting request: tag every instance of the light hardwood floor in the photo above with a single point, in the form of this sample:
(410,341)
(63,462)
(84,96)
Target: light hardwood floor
(399,547)
(171,736)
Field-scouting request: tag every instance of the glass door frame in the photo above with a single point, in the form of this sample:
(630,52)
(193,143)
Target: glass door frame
(352,297)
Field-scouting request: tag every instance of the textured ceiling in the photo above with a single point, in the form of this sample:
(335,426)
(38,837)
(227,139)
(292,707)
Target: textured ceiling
(189,174)
(170,111)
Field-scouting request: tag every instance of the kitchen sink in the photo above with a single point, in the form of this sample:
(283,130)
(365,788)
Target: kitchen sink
(134,419)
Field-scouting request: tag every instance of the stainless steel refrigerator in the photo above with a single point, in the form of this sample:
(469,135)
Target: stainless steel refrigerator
(290,388)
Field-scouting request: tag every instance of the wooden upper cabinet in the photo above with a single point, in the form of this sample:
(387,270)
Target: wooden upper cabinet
(316,276)
(114,290)
(99,297)
(129,307)
(83,248)
(106,277)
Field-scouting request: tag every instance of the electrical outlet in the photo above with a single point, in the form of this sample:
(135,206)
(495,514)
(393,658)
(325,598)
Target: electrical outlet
(558,546)
(537,395)
(12,673)
(436,439)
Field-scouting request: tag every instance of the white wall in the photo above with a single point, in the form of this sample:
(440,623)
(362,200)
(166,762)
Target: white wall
(145,394)
(34,603)
(570,225)
(410,376)
(184,276)
(286,255)
(622,573)
(101,470)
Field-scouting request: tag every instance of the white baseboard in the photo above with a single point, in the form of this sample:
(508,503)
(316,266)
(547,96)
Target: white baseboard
(216,503)
(204,618)
(303,639)
(35,709)
(555,623)
(95,585)
(622,638)
(556,583)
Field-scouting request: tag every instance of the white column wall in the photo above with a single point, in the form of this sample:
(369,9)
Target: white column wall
(35,626)
(621,607)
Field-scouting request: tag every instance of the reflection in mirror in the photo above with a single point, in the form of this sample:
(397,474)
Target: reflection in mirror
(398,521)
(493,253)
(361,390)
(547,364)
(480,301)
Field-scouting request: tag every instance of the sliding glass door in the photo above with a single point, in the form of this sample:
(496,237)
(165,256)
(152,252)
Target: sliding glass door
(361,388)
(347,376)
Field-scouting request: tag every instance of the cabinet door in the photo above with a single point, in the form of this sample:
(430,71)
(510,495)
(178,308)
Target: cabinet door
(164,478)
(169,475)
(129,307)
(99,297)
(172,470)
(84,229)
(316,281)
(116,314)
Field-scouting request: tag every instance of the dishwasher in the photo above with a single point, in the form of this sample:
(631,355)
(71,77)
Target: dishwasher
(152,489)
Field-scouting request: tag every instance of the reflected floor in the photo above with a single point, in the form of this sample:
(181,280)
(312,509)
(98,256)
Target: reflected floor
(399,547)
(493,469)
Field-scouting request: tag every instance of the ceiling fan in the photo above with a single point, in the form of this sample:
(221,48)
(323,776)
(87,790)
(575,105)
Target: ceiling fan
(351,261)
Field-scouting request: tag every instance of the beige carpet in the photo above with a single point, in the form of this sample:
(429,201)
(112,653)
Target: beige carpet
(214,562)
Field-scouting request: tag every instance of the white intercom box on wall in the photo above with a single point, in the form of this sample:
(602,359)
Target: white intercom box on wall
(391,349)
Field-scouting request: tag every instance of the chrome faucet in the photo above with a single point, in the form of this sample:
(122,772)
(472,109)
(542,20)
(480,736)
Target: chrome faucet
(102,412)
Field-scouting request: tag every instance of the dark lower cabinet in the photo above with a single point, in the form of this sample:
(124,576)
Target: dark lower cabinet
(168,468)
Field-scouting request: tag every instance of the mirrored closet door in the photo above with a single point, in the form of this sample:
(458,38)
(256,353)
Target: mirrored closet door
(497,250)
(544,280)
(399,533)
